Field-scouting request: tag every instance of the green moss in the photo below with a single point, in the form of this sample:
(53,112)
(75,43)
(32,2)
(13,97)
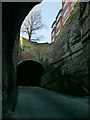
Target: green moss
(71,15)
(76,41)
(27,46)
(76,5)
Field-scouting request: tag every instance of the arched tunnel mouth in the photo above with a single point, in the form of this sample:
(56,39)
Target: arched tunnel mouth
(29,73)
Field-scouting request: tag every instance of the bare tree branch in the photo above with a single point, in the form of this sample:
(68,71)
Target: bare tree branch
(33,24)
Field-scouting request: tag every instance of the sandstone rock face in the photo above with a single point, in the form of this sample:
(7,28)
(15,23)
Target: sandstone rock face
(71,46)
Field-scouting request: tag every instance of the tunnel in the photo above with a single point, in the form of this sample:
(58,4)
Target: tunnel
(29,73)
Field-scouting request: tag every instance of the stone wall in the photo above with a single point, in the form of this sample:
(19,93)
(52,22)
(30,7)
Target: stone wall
(69,52)
(85,39)
(34,51)
(69,71)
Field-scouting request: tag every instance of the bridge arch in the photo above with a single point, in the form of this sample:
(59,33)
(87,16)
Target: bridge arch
(29,73)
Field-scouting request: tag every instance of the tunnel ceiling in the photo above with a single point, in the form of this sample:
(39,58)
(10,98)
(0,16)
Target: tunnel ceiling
(29,73)
(13,14)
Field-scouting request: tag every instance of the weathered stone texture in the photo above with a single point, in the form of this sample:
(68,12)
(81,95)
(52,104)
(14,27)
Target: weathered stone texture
(85,27)
(69,52)
(35,51)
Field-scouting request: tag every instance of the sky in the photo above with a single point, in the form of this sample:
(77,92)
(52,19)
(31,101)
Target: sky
(49,12)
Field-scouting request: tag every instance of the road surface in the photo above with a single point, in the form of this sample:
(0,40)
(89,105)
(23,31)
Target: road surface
(34,102)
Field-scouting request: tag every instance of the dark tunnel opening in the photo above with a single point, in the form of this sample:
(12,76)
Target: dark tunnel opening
(29,73)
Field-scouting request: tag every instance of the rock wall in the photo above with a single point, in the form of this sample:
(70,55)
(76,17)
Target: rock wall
(34,51)
(69,71)
(85,39)
(69,51)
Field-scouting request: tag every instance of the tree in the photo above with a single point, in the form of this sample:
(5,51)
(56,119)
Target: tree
(32,24)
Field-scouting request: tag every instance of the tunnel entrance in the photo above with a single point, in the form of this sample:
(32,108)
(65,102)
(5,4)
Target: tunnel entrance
(29,73)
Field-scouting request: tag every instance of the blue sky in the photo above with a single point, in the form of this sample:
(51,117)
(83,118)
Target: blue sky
(49,11)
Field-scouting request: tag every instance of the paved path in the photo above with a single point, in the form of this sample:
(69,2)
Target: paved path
(0,104)
(34,102)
